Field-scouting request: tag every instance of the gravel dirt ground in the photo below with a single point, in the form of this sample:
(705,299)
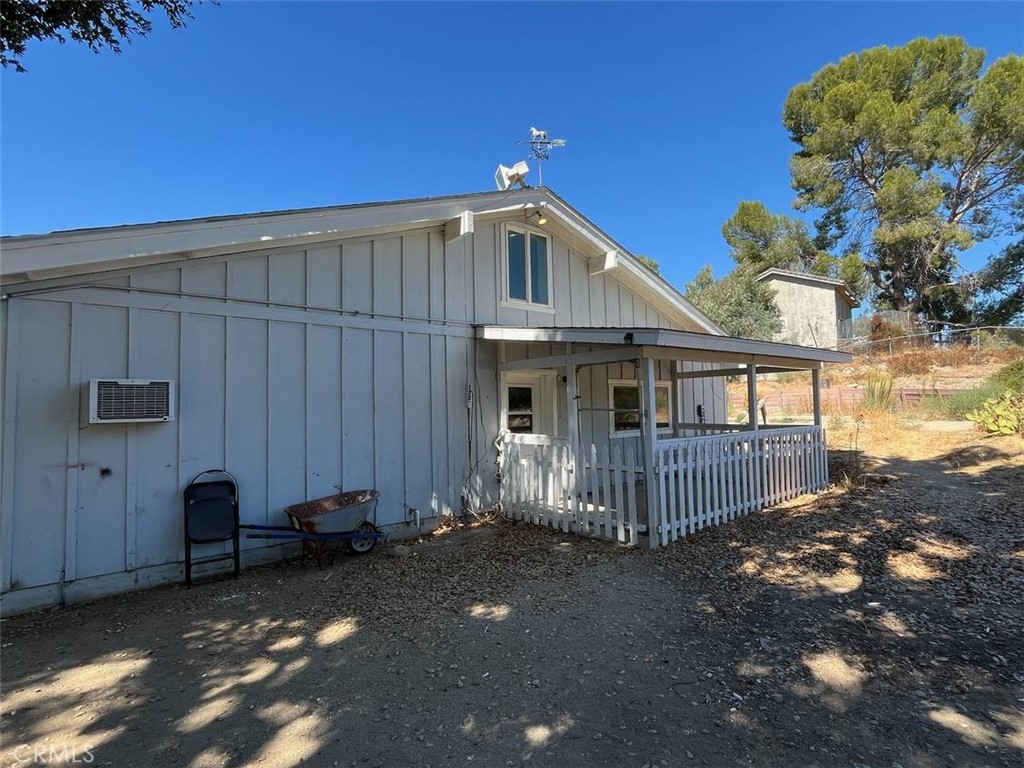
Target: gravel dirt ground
(878,624)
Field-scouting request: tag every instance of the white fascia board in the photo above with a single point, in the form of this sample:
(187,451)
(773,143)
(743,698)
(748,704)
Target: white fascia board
(97,250)
(61,268)
(584,237)
(611,257)
(669,296)
(753,347)
(598,243)
(583,335)
(666,298)
(659,341)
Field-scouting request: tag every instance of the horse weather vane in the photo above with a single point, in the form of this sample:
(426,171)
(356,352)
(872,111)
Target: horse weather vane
(540,149)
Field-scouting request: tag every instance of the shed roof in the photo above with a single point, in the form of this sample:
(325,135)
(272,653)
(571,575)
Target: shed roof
(686,345)
(841,287)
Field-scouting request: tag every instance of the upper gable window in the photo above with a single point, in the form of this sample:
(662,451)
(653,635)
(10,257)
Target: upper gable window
(527,267)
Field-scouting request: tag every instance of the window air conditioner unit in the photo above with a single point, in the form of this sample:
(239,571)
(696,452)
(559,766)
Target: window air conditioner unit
(121,401)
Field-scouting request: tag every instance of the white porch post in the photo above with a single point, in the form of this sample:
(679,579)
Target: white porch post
(757,465)
(816,394)
(649,447)
(752,420)
(572,413)
(677,397)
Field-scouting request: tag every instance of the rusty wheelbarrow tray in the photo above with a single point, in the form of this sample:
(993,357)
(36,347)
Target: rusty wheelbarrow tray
(340,518)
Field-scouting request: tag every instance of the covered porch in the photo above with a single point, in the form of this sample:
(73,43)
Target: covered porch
(670,460)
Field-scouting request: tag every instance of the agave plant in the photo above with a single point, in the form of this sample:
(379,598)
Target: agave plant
(1000,415)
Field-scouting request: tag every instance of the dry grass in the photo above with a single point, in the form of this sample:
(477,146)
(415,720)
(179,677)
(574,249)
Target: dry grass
(864,429)
(910,363)
(919,361)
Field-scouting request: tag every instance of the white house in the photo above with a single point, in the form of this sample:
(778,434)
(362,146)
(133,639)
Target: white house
(815,310)
(455,353)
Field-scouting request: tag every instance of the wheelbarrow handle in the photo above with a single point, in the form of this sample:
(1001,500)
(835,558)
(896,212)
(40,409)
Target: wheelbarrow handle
(284,532)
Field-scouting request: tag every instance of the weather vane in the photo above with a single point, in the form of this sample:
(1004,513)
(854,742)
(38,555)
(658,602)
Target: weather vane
(540,149)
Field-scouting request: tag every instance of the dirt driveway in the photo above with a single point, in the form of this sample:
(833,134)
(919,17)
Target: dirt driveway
(872,626)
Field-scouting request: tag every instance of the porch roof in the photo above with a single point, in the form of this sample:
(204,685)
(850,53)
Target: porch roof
(661,343)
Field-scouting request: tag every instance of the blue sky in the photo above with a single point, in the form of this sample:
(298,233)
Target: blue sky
(671,110)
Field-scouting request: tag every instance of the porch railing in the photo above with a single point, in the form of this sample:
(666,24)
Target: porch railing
(598,494)
(704,481)
(698,482)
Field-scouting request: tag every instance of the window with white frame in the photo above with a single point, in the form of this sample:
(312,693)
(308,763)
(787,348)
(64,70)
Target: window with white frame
(527,267)
(520,418)
(624,397)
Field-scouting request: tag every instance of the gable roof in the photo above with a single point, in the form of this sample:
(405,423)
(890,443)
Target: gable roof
(841,287)
(81,252)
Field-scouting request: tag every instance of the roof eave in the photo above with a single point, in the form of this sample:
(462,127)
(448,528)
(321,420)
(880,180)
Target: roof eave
(74,253)
(699,344)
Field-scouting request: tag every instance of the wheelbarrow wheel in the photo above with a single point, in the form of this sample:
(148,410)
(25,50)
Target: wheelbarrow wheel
(362,546)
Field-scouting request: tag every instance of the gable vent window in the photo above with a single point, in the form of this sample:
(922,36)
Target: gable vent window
(130,400)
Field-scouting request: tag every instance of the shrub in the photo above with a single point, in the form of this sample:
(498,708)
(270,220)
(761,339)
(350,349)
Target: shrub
(909,363)
(793,377)
(883,329)
(955,355)
(1010,377)
(955,407)
(878,393)
(1001,415)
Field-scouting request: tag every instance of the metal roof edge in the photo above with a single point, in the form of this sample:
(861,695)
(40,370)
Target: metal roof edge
(67,253)
(662,337)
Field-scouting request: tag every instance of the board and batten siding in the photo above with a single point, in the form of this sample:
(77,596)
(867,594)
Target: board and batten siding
(343,365)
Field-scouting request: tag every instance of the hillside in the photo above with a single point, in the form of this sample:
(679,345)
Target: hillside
(919,378)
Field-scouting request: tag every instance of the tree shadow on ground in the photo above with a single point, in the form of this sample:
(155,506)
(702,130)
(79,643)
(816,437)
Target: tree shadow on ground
(379,660)
(883,621)
(876,624)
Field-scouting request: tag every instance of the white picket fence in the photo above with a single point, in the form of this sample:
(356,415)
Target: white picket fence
(703,481)
(611,495)
(699,482)
(600,496)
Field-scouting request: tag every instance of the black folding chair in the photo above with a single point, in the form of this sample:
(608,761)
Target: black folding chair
(211,515)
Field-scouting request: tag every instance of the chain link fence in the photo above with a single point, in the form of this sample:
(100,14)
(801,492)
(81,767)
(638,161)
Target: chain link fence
(891,339)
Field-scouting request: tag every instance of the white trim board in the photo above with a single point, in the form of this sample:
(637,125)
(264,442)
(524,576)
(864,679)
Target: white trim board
(660,343)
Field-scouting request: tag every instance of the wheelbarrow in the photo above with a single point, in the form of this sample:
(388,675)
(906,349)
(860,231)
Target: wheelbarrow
(341,519)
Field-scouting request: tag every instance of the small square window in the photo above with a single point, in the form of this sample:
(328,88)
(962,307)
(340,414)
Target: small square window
(520,410)
(528,267)
(625,400)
